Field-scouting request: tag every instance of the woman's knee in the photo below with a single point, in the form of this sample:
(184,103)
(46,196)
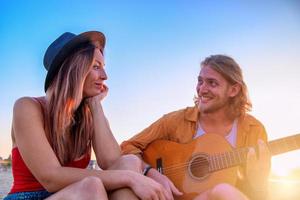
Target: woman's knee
(128,162)
(91,185)
(226,191)
(221,188)
(87,188)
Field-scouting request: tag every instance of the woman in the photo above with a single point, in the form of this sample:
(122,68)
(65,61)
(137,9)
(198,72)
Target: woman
(53,135)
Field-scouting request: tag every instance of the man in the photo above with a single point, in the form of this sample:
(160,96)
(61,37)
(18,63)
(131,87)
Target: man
(221,108)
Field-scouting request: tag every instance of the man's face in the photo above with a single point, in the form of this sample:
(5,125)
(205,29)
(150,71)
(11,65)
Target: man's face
(213,91)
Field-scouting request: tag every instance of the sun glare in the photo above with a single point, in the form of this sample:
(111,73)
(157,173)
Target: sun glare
(284,180)
(286,165)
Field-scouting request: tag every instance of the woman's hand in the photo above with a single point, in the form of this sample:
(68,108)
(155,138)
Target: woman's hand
(146,188)
(257,169)
(95,101)
(165,181)
(103,92)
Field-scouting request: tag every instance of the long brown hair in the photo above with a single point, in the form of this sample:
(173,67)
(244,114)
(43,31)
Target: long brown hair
(69,124)
(231,71)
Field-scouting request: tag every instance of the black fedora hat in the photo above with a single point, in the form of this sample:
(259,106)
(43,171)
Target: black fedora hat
(65,45)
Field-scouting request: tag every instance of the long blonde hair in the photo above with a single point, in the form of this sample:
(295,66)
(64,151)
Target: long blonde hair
(69,123)
(231,71)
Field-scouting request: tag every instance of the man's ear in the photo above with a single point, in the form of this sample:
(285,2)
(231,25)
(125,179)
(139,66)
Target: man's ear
(234,90)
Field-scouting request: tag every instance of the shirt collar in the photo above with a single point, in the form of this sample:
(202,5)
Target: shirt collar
(192,114)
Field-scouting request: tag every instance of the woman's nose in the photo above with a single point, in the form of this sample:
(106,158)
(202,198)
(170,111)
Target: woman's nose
(103,75)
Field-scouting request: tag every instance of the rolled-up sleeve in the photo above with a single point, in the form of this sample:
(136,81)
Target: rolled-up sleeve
(157,130)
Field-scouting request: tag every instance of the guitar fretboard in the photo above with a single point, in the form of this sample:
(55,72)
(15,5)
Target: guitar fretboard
(239,156)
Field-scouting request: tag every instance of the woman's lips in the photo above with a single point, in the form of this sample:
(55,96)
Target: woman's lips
(99,85)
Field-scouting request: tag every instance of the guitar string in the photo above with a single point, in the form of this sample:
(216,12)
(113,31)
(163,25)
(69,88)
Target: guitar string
(172,171)
(201,162)
(173,168)
(215,158)
(195,164)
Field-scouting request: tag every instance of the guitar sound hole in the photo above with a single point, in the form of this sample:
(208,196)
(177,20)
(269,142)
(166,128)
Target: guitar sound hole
(199,166)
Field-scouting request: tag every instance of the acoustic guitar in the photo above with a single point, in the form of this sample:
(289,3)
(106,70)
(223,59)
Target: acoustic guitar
(206,161)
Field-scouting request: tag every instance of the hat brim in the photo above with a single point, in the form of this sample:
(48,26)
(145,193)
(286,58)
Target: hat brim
(95,38)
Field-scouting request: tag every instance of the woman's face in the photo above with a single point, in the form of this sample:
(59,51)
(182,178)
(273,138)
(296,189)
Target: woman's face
(94,82)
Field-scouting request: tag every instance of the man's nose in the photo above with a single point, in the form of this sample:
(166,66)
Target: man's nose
(202,88)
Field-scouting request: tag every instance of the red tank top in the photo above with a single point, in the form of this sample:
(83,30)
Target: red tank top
(23,179)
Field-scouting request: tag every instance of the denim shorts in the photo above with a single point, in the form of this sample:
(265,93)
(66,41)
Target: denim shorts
(36,195)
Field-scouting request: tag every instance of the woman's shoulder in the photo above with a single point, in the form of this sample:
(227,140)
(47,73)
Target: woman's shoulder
(29,100)
(26,111)
(28,104)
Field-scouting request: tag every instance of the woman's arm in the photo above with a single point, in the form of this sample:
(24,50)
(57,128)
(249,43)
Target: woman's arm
(39,157)
(106,148)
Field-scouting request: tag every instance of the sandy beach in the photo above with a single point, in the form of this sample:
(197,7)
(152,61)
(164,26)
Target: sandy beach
(5,182)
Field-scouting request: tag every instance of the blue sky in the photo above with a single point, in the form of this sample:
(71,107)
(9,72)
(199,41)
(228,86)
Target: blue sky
(153,53)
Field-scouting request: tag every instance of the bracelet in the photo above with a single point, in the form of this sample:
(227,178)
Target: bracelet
(146,170)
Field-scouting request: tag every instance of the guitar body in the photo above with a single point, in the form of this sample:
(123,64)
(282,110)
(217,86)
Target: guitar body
(186,165)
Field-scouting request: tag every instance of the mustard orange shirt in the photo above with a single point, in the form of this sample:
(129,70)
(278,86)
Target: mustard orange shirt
(181,126)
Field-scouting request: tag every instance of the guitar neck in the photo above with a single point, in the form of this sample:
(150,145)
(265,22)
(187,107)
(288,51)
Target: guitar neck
(239,156)
(284,145)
